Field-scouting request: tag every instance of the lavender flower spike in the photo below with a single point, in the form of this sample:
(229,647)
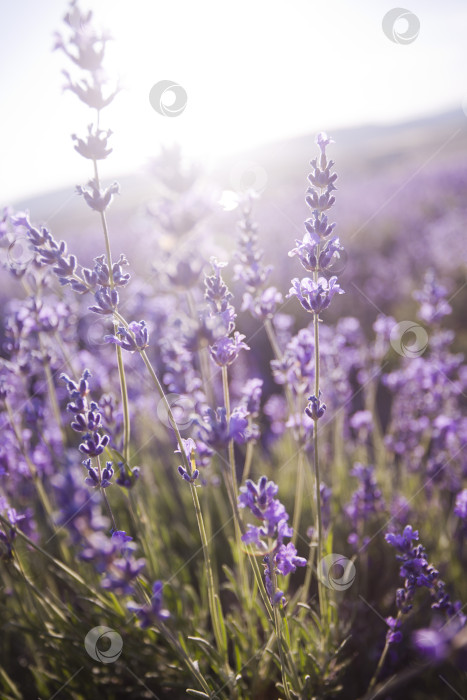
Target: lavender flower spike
(136,337)
(315,296)
(280,558)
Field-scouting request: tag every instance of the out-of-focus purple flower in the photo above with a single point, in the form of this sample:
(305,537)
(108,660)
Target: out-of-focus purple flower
(86,45)
(264,304)
(134,338)
(394,635)
(216,432)
(432,644)
(323,140)
(440,641)
(153,612)
(366,502)
(96,198)
(121,575)
(93,92)
(249,267)
(460,509)
(432,299)
(362,423)
(251,396)
(95,145)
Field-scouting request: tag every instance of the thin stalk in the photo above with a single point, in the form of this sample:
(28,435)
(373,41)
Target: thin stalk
(282,645)
(191,665)
(104,495)
(233,475)
(248,460)
(199,516)
(203,355)
(221,642)
(167,406)
(121,367)
(32,468)
(381,661)
(321,590)
(299,490)
(187,465)
(233,472)
(55,561)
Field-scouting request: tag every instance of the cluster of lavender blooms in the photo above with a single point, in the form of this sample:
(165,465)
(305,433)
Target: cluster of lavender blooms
(418,573)
(153,612)
(318,248)
(366,502)
(261,301)
(216,429)
(269,537)
(426,401)
(221,319)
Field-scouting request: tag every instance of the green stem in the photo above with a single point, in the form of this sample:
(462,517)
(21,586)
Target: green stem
(121,368)
(381,661)
(299,490)
(321,589)
(233,472)
(189,663)
(56,562)
(298,496)
(32,469)
(104,495)
(218,631)
(282,645)
(248,460)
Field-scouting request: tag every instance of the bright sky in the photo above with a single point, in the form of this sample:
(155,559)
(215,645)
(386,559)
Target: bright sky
(253,71)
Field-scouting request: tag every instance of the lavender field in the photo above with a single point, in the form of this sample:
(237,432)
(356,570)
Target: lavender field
(233,410)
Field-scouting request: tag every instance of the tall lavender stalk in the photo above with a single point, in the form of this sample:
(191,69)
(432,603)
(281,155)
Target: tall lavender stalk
(316,252)
(86,49)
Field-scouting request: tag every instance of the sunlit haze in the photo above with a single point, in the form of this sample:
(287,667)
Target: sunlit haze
(253,72)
